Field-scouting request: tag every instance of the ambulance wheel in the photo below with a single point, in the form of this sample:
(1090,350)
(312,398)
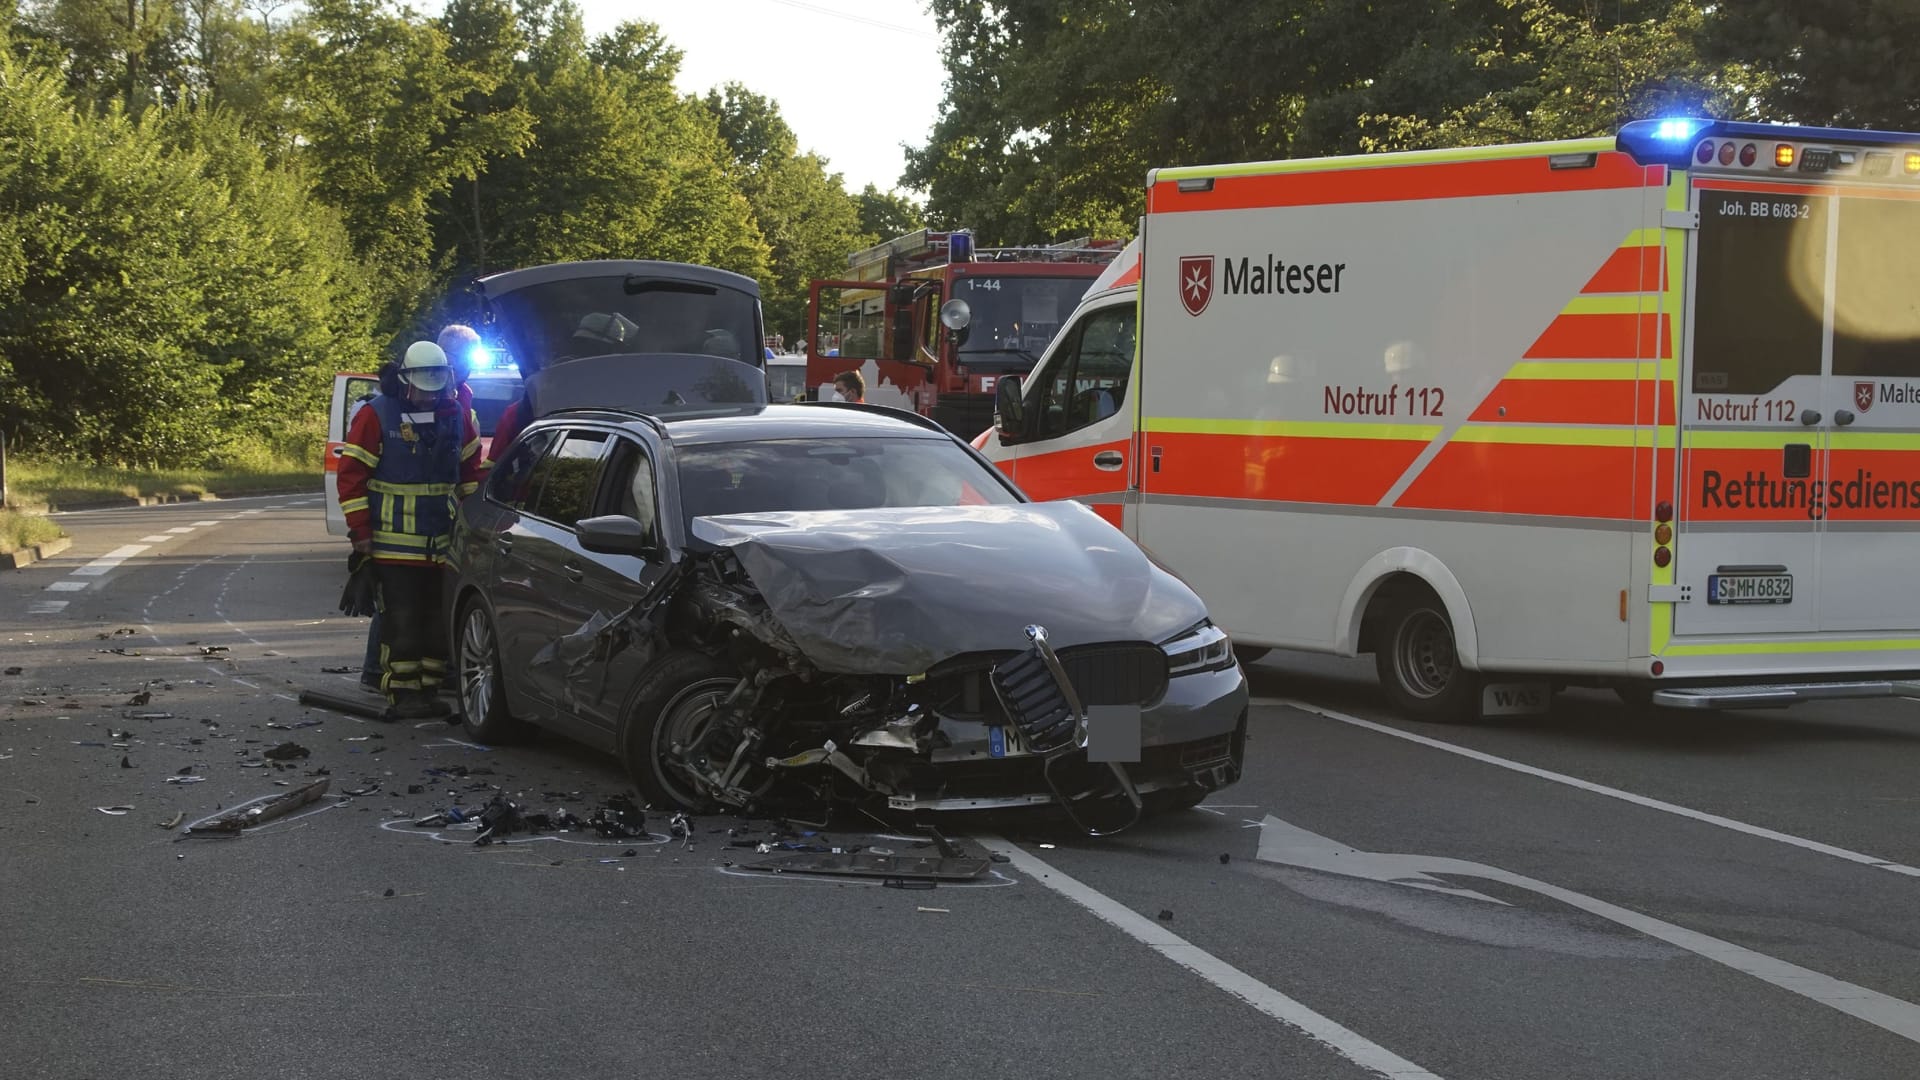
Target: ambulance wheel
(483,688)
(1420,668)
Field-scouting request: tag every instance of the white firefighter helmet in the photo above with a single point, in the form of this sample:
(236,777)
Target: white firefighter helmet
(425,367)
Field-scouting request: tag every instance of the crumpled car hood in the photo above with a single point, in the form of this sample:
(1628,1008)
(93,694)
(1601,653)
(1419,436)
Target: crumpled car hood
(897,591)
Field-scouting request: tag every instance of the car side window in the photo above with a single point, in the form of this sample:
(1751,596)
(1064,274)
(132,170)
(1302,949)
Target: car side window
(630,487)
(572,478)
(515,477)
(1090,382)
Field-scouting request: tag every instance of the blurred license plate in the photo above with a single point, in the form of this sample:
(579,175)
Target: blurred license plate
(1750,588)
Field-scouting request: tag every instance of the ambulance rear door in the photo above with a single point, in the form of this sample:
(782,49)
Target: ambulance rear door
(349,390)
(1800,414)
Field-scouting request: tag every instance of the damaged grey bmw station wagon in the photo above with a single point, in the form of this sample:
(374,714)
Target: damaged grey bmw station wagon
(765,606)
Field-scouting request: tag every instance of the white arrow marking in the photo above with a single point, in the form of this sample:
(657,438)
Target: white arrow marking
(1294,846)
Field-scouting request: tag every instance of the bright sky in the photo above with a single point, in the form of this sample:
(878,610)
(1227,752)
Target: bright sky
(855,79)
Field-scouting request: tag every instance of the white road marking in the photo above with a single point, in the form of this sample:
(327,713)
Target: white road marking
(111,559)
(179,529)
(204,524)
(1600,789)
(161,507)
(255,510)
(67,586)
(46,607)
(1294,846)
(160,538)
(1348,1044)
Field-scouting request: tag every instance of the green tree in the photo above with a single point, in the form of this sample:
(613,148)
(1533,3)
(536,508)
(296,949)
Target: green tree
(377,104)
(885,214)
(1843,62)
(809,221)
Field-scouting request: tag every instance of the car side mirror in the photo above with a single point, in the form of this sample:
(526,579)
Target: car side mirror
(1009,408)
(616,534)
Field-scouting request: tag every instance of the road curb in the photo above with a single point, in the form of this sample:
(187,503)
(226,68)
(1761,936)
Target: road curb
(14,560)
(130,501)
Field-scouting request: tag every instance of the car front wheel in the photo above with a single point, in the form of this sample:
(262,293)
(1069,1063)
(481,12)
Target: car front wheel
(676,725)
(483,690)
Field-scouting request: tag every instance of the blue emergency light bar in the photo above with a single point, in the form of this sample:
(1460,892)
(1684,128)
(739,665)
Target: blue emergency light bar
(1670,141)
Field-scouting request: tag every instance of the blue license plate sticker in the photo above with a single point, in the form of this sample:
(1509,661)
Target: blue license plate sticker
(996,742)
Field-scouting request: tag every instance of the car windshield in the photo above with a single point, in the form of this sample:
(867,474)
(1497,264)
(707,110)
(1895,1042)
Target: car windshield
(608,314)
(1014,314)
(832,474)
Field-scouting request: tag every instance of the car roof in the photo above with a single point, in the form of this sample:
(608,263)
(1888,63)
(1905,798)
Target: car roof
(813,421)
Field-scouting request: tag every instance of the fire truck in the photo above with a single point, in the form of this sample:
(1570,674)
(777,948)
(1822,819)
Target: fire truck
(1639,412)
(931,322)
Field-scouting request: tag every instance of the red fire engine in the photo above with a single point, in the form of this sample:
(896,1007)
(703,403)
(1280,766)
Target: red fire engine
(932,323)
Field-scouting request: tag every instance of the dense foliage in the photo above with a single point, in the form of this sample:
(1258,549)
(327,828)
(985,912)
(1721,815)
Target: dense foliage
(208,206)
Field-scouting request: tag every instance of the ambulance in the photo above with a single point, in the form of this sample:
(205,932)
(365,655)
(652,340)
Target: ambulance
(1639,412)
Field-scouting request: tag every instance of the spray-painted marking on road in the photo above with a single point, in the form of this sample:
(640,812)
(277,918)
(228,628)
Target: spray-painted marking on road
(1290,845)
(1601,789)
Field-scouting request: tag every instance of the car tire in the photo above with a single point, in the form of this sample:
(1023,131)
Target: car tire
(483,681)
(1420,668)
(667,701)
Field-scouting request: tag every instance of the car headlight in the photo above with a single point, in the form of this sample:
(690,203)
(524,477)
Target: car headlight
(1204,648)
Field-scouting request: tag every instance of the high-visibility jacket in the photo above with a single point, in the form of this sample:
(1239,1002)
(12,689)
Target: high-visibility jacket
(402,472)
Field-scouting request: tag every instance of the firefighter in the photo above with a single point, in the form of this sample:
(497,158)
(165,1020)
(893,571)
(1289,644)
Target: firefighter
(407,459)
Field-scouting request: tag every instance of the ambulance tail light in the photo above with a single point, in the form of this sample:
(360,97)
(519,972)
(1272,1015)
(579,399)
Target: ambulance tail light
(1663,511)
(1658,668)
(1783,155)
(1726,153)
(1749,154)
(1704,155)
(1662,557)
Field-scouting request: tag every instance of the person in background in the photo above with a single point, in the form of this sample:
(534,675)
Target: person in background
(460,341)
(850,386)
(406,461)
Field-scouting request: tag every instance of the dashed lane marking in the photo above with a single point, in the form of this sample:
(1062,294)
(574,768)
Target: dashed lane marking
(160,538)
(111,559)
(68,586)
(1601,789)
(204,524)
(177,530)
(46,607)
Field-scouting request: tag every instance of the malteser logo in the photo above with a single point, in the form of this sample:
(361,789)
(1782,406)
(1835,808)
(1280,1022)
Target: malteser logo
(1196,282)
(1863,396)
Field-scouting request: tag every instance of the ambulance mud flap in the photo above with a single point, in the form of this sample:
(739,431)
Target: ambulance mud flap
(1041,702)
(1516,698)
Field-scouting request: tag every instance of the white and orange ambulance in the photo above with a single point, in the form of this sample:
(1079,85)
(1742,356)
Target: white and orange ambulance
(1640,412)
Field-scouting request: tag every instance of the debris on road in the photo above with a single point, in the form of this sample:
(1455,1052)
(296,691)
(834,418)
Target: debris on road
(620,819)
(212,650)
(338,670)
(174,821)
(115,811)
(1166,915)
(185,779)
(141,698)
(126,762)
(234,821)
(286,751)
(147,716)
(933,910)
(16,671)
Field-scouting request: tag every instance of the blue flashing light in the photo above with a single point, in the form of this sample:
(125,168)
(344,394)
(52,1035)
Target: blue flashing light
(1679,129)
(480,357)
(960,246)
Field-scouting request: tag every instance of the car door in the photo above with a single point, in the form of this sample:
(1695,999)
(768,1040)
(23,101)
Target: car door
(1079,425)
(556,566)
(498,564)
(350,391)
(603,587)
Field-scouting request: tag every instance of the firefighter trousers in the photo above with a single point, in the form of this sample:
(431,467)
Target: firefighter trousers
(413,651)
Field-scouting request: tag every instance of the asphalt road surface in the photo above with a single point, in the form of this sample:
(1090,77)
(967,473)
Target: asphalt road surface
(1601,893)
